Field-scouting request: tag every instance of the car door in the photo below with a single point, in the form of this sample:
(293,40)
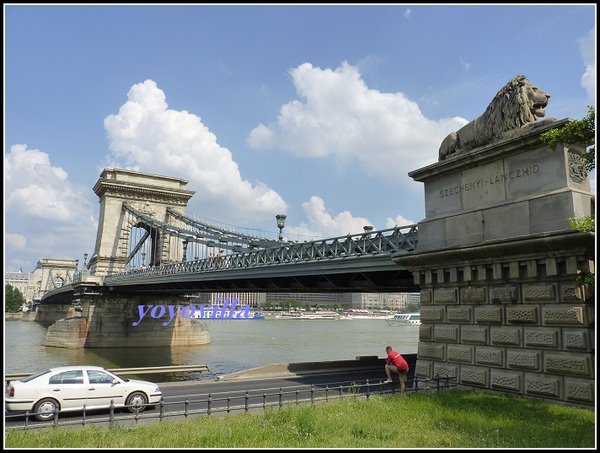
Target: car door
(69,389)
(101,390)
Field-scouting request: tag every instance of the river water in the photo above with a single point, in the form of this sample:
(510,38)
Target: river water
(234,346)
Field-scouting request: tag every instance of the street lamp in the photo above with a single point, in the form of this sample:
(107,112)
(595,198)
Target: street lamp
(280,224)
(143,259)
(84,269)
(368,228)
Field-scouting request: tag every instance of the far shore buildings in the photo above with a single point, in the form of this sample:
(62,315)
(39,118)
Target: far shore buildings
(361,301)
(47,275)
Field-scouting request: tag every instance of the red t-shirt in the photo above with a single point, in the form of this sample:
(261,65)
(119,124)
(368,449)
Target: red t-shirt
(397,360)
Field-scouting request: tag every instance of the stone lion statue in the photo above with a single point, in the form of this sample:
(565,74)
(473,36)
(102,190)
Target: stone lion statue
(513,110)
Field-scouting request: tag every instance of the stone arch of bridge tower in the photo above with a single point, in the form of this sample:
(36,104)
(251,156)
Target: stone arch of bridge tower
(148,193)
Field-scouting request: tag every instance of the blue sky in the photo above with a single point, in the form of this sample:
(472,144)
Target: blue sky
(318,112)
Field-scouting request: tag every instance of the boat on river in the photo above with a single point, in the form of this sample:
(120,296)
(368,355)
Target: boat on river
(405,319)
(302,315)
(217,313)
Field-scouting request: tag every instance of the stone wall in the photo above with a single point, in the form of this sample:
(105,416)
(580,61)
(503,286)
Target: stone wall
(505,323)
(503,304)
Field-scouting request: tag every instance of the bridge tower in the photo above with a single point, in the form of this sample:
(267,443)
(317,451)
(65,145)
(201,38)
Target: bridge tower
(148,193)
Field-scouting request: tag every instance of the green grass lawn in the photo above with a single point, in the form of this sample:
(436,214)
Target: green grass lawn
(451,419)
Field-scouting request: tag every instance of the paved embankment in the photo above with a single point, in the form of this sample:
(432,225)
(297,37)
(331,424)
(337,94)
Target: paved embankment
(364,363)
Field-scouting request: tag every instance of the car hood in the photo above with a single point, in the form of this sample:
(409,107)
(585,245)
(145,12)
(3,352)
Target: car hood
(137,382)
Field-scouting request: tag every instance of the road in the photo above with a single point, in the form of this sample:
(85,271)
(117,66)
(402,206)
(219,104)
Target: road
(193,398)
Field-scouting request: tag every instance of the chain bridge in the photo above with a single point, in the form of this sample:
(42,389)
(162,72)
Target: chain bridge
(146,243)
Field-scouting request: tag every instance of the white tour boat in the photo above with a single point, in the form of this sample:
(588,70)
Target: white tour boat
(403,319)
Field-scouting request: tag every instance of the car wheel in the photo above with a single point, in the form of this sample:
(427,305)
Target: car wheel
(45,409)
(136,402)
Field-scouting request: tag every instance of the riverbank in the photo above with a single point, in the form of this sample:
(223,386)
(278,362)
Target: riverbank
(20,316)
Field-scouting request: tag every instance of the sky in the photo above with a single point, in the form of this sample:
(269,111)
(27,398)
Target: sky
(318,112)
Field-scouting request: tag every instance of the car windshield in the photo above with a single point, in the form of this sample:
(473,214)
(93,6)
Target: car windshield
(33,376)
(120,377)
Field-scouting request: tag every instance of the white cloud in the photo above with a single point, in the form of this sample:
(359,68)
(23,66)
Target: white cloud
(407,13)
(587,46)
(15,241)
(34,188)
(322,224)
(47,216)
(466,65)
(399,220)
(338,115)
(148,136)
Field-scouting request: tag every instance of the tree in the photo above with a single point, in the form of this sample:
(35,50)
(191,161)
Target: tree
(581,131)
(13,299)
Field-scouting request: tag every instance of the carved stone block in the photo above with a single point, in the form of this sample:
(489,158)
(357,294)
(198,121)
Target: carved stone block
(576,339)
(541,337)
(470,375)
(431,351)
(487,315)
(523,359)
(425,332)
(579,390)
(444,370)
(506,380)
(424,369)
(474,334)
(432,314)
(447,333)
(425,296)
(522,314)
(537,384)
(460,353)
(472,295)
(459,314)
(568,364)
(505,336)
(545,292)
(563,315)
(489,356)
(445,296)
(571,292)
(504,294)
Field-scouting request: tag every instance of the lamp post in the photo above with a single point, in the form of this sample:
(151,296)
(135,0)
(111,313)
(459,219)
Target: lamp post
(84,270)
(143,259)
(280,224)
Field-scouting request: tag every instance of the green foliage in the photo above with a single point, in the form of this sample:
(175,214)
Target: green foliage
(584,224)
(412,307)
(13,299)
(449,420)
(582,132)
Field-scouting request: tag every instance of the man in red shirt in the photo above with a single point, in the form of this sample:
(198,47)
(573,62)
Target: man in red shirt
(396,363)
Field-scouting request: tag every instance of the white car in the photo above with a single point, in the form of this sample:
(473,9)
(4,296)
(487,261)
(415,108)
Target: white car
(69,388)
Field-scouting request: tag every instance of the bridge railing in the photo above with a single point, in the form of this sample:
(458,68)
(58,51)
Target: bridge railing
(382,242)
(243,400)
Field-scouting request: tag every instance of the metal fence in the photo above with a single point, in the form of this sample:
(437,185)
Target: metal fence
(226,403)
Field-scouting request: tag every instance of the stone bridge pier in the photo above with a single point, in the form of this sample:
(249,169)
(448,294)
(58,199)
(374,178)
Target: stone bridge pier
(108,321)
(504,301)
